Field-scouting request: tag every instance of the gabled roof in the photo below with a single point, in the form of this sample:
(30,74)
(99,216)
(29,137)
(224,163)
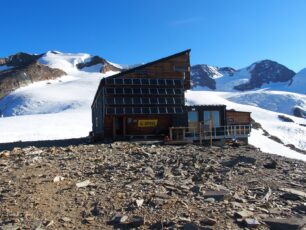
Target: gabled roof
(140,67)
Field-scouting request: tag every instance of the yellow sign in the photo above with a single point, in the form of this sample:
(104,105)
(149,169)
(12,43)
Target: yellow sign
(147,123)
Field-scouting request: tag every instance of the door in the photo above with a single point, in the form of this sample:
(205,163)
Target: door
(212,118)
(193,122)
(118,127)
(211,123)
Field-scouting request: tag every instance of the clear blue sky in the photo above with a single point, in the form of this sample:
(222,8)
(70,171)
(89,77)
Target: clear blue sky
(222,33)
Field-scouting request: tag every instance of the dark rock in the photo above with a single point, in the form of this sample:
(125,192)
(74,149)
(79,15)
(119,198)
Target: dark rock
(21,76)
(208,221)
(271,164)
(299,112)
(285,119)
(285,224)
(239,159)
(20,59)
(95,60)
(136,221)
(191,226)
(217,195)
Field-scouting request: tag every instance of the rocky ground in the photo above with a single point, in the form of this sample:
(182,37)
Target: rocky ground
(129,185)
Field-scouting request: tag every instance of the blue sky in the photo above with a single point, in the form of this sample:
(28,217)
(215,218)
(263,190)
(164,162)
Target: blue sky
(223,33)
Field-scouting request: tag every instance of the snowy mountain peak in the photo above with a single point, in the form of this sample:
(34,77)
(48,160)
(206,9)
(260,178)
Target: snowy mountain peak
(252,77)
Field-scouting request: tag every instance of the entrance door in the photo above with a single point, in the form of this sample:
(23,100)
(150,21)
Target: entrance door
(211,123)
(119,127)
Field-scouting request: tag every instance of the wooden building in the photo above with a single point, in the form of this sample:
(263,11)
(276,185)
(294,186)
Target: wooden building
(149,101)
(143,101)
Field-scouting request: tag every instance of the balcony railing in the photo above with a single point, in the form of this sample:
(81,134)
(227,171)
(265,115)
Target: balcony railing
(205,132)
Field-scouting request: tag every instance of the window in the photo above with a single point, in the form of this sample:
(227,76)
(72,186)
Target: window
(119,81)
(169,82)
(145,81)
(161,100)
(119,110)
(177,91)
(178,110)
(145,110)
(119,100)
(136,100)
(170,110)
(162,91)
(136,81)
(193,116)
(154,110)
(169,91)
(212,117)
(109,81)
(153,91)
(110,110)
(145,100)
(153,82)
(110,90)
(178,101)
(119,90)
(145,91)
(128,110)
(137,110)
(97,122)
(136,91)
(128,91)
(128,100)
(110,100)
(162,110)
(161,82)
(153,100)
(178,82)
(170,100)
(128,81)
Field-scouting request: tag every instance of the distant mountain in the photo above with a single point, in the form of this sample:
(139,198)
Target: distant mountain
(205,75)
(22,69)
(255,76)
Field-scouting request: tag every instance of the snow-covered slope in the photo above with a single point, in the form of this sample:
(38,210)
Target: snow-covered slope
(56,109)
(277,101)
(299,83)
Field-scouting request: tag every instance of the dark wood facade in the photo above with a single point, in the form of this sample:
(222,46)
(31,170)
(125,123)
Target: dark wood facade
(238,117)
(145,100)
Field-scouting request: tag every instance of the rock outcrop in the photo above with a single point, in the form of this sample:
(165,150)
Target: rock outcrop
(23,69)
(96,60)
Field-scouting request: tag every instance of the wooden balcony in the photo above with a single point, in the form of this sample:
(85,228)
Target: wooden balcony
(207,133)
